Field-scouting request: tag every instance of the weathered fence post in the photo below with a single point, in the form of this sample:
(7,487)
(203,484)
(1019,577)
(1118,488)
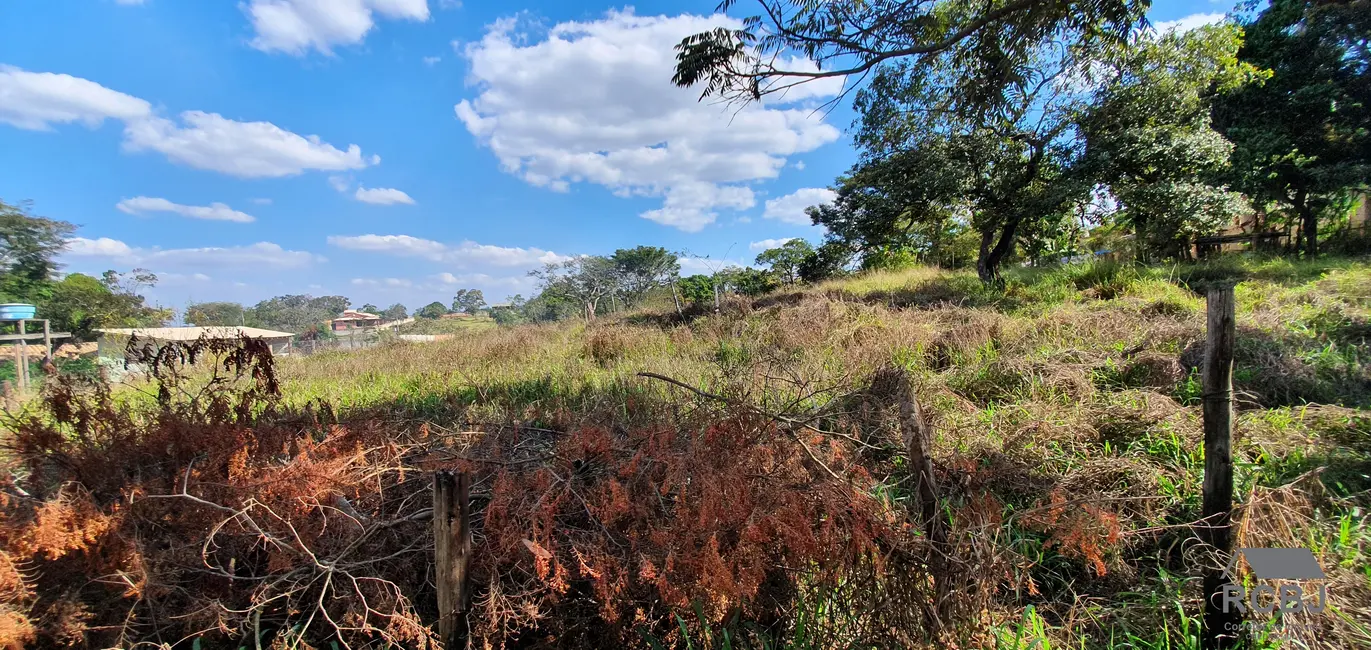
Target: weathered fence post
(918,438)
(452,551)
(1219,627)
(21,364)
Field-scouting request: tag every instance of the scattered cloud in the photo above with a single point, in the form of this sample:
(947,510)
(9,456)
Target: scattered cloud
(165,279)
(382,196)
(402,245)
(593,102)
(297,26)
(432,60)
(259,256)
(339,183)
(687,206)
(37,100)
(515,283)
(382,282)
(791,207)
(768,244)
(1187,23)
(800,165)
(262,201)
(211,212)
(243,149)
(466,254)
(102,247)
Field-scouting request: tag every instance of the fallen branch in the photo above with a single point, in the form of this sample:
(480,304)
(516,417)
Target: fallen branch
(743,405)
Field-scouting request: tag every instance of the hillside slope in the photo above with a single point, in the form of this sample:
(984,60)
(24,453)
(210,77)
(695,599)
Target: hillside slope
(740,475)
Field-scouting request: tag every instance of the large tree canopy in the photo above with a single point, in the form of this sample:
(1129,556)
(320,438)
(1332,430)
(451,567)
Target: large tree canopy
(206,314)
(468,301)
(295,313)
(28,249)
(583,281)
(643,269)
(785,260)
(992,131)
(791,42)
(80,304)
(1303,137)
(1150,138)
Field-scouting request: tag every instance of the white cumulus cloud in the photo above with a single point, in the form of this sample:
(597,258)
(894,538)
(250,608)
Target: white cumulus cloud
(382,196)
(37,100)
(244,149)
(259,256)
(768,244)
(593,102)
(791,207)
(101,247)
(1187,23)
(212,212)
(298,26)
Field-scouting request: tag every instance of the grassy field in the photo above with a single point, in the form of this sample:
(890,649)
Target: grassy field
(1079,381)
(447,325)
(1066,419)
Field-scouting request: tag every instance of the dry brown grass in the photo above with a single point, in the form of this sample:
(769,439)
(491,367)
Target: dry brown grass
(1067,446)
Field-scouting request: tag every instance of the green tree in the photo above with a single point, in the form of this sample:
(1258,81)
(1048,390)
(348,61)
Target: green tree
(396,311)
(205,314)
(697,289)
(469,301)
(584,281)
(370,309)
(644,268)
(785,260)
(849,38)
(1302,138)
(432,310)
(828,261)
(1150,139)
(991,125)
(81,304)
(905,200)
(745,280)
(28,249)
(295,313)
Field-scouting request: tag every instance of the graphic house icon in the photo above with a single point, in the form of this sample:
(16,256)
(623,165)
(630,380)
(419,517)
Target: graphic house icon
(1277,564)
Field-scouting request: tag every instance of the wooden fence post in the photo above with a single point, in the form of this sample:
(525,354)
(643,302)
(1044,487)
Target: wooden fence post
(918,440)
(21,364)
(452,551)
(1219,627)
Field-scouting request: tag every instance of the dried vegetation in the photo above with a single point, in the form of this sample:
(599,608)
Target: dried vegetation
(770,502)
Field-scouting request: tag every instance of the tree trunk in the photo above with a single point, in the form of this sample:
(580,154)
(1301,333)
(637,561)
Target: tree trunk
(983,268)
(988,264)
(1309,223)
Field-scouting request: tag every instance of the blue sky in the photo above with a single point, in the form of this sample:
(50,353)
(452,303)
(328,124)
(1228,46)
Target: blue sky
(394,150)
